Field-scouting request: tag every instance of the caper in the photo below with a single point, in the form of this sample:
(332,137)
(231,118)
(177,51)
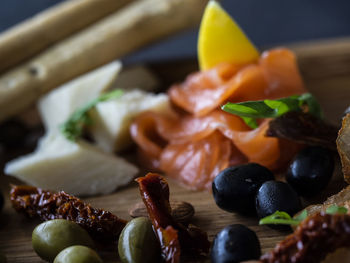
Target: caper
(78,254)
(51,237)
(138,243)
(2,258)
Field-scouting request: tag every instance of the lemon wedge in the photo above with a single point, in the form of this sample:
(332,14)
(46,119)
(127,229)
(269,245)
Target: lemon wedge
(222,40)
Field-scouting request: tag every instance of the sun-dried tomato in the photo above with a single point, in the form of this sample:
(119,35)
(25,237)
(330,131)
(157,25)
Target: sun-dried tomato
(47,205)
(303,128)
(314,238)
(173,236)
(170,244)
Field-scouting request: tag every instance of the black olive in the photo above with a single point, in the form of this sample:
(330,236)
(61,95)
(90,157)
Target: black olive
(276,196)
(235,243)
(234,188)
(311,170)
(2,201)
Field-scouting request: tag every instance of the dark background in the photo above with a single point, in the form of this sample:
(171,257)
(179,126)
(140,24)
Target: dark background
(267,22)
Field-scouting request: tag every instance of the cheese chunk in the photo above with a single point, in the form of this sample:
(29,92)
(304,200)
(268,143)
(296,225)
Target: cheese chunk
(77,168)
(57,106)
(136,76)
(112,119)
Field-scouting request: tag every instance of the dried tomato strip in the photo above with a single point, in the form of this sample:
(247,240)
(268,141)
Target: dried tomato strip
(46,205)
(170,244)
(314,238)
(155,194)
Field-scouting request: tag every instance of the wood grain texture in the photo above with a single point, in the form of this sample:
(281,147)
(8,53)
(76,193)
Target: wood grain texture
(333,91)
(39,32)
(325,66)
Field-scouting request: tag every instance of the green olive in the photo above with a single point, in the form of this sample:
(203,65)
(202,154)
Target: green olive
(51,237)
(78,254)
(138,243)
(2,258)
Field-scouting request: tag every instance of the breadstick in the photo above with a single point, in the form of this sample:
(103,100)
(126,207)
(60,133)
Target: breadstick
(34,35)
(134,26)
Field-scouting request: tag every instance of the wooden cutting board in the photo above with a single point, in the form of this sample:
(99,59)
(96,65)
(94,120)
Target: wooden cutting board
(325,67)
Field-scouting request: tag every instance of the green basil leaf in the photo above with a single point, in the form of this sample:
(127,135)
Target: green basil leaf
(314,107)
(302,216)
(251,122)
(282,218)
(73,128)
(279,218)
(249,111)
(334,209)
(284,105)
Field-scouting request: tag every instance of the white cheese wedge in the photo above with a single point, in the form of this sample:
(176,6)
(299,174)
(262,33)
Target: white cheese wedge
(112,119)
(77,168)
(57,106)
(136,76)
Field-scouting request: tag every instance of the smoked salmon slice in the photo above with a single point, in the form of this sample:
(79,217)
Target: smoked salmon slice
(275,76)
(193,147)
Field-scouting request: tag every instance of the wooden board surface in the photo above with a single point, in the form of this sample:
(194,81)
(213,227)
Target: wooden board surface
(326,70)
